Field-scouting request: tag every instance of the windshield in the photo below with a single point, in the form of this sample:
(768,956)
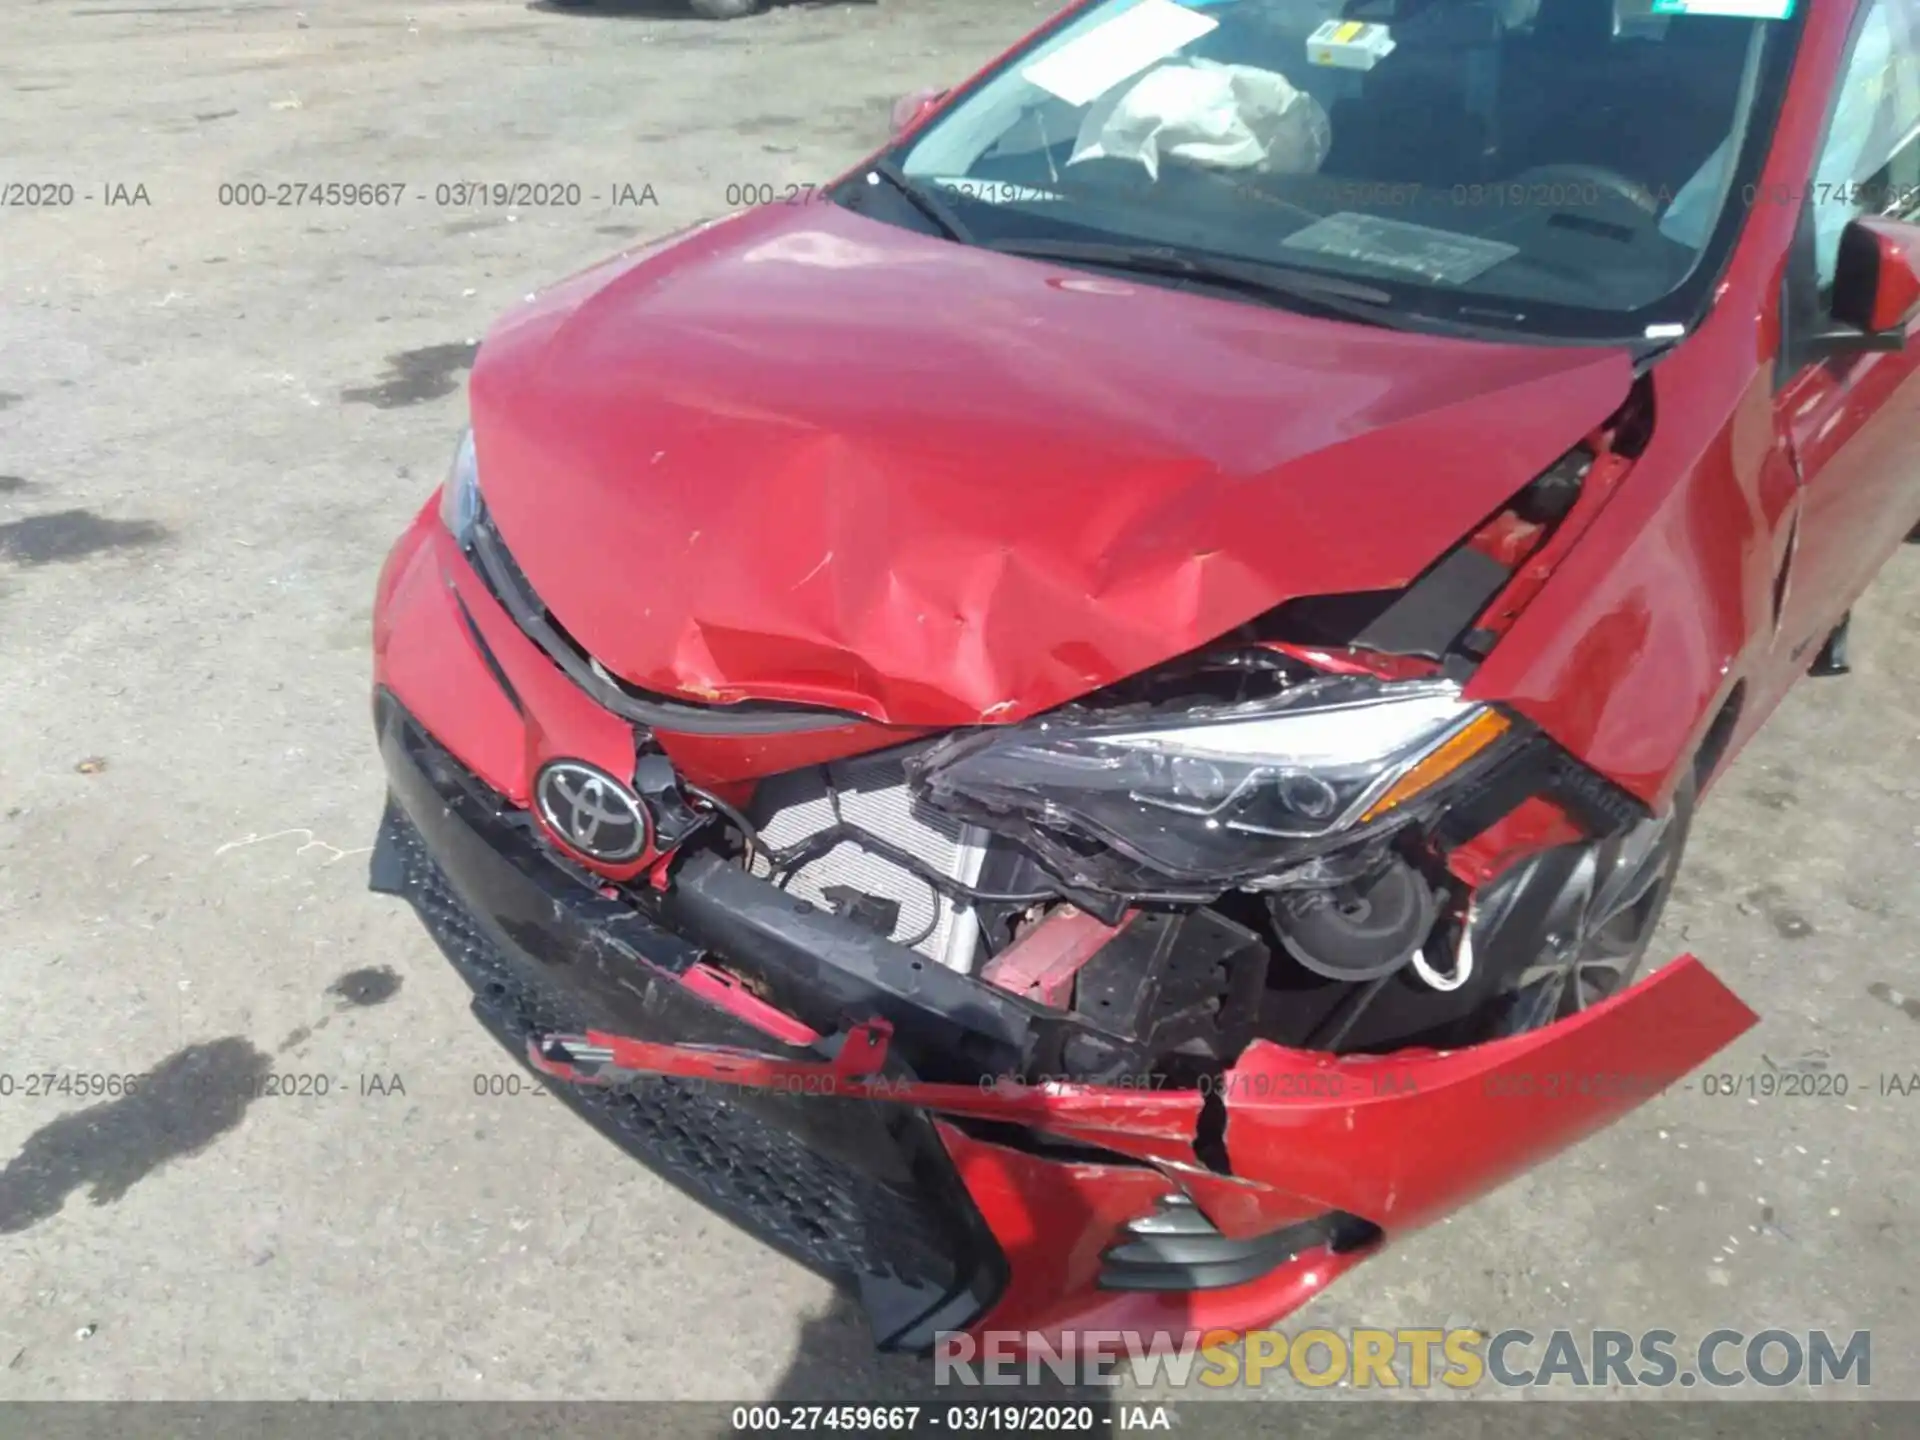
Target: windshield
(1554,166)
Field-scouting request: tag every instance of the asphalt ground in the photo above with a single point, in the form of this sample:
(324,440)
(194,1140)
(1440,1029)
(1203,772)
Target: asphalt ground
(214,418)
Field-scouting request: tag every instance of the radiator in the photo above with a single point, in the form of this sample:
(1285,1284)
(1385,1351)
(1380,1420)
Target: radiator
(873,796)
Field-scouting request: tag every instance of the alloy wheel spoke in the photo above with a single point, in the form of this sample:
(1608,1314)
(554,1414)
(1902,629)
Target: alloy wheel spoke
(1611,943)
(1636,868)
(1596,982)
(1602,932)
(1541,1003)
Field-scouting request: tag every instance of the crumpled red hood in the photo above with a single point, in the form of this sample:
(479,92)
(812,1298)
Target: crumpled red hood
(805,456)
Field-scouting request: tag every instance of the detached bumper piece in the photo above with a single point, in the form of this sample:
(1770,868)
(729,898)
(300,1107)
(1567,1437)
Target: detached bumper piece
(862,1193)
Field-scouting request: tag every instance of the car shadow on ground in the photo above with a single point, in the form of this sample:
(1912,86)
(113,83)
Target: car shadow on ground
(835,1363)
(671,9)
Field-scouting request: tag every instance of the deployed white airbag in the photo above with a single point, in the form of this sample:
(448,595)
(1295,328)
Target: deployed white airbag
(1200,112)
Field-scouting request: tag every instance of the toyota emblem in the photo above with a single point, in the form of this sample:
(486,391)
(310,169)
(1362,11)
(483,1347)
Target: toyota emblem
(592,811)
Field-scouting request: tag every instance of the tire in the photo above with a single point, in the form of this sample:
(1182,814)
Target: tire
(723,9)
(1603,901)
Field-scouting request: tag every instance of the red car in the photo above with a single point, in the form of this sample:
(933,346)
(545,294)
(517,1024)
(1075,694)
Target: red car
(1093,722)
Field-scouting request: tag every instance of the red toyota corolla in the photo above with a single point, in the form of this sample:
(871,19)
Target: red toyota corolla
(1090,726)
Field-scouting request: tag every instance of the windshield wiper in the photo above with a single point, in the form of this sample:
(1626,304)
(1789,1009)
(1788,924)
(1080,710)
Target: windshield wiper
(935,209)
(1273,283)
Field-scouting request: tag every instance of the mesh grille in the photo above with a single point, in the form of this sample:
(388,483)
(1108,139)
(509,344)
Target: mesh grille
(763,1178)
(873,795)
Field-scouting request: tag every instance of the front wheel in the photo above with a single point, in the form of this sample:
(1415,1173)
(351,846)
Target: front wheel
(1600,920)
(723,9)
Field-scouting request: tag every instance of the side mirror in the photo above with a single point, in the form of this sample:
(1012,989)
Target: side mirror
(1876,287)
(909,110)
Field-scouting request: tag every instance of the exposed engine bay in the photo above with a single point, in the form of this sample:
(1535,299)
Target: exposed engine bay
(1185,902)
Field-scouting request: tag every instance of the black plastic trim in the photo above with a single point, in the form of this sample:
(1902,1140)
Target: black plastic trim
(1528,769)
(1428,618)
(825,970)
(1594,800)
(1195,1256)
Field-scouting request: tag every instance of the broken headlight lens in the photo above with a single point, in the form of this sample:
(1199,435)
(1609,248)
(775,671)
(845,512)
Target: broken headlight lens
(1210,795)
(460,495)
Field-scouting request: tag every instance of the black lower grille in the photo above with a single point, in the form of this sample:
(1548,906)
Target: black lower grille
(829,1216)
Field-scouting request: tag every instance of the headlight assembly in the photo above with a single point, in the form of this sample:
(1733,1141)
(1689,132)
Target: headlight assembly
(460,495)
(1210,796)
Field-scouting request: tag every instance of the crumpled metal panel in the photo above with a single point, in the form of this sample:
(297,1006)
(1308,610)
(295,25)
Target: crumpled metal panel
(806,456)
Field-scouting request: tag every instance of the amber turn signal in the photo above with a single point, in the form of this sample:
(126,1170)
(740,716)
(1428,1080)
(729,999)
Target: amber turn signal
(1441,761)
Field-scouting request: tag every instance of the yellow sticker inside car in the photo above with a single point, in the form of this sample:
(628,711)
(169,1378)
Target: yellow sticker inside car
(1349,44)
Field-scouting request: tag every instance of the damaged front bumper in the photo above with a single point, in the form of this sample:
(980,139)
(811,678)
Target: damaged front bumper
(890,1123)
(864,1194)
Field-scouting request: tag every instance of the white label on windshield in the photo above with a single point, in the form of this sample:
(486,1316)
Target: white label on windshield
(1442,256)
(1083,70)
(1743,9)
